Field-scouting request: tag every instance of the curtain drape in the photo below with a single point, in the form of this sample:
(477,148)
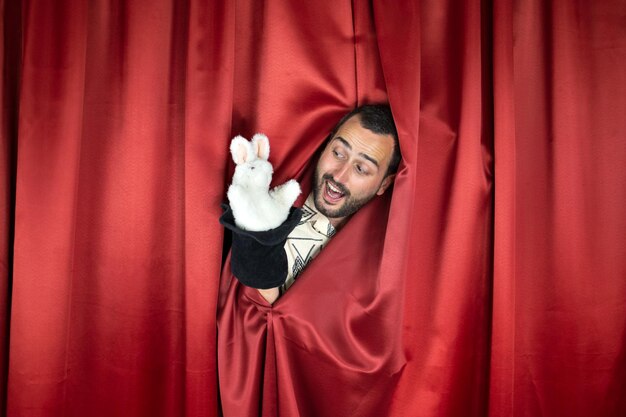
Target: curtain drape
(491,281)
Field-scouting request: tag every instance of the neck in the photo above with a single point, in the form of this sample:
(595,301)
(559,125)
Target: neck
(338,222)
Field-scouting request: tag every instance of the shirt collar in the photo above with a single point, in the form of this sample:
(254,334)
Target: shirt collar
(318,221)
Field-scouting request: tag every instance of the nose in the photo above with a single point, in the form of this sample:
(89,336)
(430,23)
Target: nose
(342,174)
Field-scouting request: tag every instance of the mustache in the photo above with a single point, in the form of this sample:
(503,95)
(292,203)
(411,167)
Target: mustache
(336,184)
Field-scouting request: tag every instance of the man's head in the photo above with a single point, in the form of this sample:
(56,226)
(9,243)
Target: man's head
(359,161)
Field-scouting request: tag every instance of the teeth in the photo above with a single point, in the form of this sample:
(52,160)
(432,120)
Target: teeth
(333,188)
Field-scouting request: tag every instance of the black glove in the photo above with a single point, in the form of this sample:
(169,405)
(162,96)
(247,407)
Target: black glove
(258,259)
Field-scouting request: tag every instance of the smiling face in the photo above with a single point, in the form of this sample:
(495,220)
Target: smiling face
(351,170)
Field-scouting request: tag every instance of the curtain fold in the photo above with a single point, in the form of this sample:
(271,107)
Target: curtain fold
(559,290)
(9,59)
(489,282)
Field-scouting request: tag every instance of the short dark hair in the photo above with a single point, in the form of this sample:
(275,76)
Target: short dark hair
(378,119)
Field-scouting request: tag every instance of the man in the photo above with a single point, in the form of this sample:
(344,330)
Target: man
(359,162)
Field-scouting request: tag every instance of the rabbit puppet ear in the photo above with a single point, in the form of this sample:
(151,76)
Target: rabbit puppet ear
(241,150)
(261,146)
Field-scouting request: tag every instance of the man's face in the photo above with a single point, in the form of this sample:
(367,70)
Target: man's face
(351,170)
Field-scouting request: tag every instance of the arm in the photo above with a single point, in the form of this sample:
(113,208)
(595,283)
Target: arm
(270,294)
(264,218)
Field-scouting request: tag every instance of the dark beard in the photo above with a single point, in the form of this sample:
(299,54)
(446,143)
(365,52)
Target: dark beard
(350,206)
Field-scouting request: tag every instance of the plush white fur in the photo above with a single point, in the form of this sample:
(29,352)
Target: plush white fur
(256,207)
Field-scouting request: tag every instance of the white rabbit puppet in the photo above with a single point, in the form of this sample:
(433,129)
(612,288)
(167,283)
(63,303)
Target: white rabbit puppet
(256,207)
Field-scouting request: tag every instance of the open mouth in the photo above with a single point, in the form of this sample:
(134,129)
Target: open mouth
(332,193)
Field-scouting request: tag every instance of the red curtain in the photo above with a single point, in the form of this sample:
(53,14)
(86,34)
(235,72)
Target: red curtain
(490,282)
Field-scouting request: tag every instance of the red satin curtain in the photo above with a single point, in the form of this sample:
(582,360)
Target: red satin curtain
(491,282)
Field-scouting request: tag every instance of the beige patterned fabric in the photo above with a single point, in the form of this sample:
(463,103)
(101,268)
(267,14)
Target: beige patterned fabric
(306,241)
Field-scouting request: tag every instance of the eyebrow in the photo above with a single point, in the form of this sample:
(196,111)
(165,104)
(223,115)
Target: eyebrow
(347,145)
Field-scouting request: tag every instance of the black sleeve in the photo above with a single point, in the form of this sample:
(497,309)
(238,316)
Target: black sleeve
(258,259)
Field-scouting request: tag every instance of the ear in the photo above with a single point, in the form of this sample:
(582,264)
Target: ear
(241,150)
(261,146)
(385,184)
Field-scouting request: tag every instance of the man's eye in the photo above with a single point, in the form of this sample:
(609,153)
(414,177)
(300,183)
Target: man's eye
(337,154)
(360,169)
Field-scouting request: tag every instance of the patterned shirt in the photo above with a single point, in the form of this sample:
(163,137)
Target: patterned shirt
(306,241)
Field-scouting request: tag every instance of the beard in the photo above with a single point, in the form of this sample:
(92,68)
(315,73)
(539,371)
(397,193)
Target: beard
(350,204)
